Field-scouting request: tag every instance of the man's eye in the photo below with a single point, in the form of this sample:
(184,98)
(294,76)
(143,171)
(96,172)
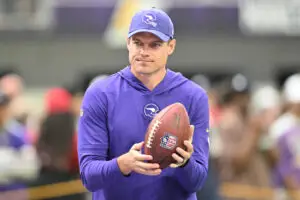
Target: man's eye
(156,45)
(137,43)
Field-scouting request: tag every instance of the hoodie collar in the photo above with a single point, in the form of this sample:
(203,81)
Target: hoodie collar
(171,80)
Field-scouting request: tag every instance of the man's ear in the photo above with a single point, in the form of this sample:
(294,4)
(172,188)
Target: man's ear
(171,45)
(128,43)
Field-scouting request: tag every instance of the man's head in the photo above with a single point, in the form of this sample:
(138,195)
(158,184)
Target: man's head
(150,41)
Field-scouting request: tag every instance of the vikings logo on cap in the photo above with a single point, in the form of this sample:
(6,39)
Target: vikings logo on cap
(150,19)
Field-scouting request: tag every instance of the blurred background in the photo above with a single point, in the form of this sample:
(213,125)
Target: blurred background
(244,53)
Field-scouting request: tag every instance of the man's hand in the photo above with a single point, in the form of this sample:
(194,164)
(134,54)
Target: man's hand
(183,156)
(135,161)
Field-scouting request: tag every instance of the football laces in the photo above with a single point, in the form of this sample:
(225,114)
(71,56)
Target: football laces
(152,133)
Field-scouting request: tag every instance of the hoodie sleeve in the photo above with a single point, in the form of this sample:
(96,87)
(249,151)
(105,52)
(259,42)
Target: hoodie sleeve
(193,175)
(96,171)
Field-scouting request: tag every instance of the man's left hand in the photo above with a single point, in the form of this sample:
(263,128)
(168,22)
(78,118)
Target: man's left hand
(181,155)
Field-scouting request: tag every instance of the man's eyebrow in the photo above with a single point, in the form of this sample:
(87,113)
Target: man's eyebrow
(158,41)
(155,41)
(136,40)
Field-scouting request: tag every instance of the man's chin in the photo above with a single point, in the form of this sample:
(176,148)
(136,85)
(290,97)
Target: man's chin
(144,69)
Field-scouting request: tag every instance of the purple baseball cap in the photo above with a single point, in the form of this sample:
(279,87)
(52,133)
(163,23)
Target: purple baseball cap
(153,21)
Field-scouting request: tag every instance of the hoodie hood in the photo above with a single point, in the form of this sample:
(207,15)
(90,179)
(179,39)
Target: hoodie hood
(171,80)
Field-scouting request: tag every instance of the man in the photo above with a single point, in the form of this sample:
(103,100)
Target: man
(19,162)
(116,112)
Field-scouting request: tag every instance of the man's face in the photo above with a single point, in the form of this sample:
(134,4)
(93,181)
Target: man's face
(148,54)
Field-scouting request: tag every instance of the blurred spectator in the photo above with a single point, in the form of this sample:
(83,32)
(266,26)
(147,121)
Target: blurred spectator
(57,100)
(75,105)
(55,143)
(19,162)
(240,161)
(287,121)
(211,187)
(291,115)
(76,93)
(12,85)
(266,103)
(289,161)
(206,84)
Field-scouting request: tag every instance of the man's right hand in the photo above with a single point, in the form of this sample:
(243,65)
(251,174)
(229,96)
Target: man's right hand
(135,161)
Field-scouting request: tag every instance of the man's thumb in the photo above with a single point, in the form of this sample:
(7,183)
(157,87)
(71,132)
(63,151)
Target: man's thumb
(137,146)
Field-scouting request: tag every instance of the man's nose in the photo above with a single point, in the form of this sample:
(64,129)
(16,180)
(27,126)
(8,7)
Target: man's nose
(144,51)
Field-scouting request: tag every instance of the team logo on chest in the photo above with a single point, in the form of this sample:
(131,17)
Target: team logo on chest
(150,110)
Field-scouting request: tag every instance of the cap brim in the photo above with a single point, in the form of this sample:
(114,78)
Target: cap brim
(162,36)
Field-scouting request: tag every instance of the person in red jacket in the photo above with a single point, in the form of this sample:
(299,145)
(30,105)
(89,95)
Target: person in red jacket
(60,100)
(57,142)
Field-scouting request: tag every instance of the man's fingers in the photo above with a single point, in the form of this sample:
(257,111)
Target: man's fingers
(177,158)
(153,172)
(173,165)
(137,146)
(147,166)
(183,153)
(189,146)
(192,128)
(148,172)
(141,157)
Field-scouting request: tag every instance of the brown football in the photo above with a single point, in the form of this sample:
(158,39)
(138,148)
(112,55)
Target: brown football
(167,131)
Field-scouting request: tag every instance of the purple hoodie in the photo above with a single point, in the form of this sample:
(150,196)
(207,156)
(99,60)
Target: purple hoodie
(115,114)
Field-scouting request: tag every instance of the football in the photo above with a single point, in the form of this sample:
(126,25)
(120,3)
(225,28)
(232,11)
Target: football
(167,131)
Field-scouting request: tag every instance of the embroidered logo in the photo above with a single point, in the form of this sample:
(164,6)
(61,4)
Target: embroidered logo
(150,19)
(150,110)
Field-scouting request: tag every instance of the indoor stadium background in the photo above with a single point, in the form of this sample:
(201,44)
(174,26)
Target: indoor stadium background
(226,46)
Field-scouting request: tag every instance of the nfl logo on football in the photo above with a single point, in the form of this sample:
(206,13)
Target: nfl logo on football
(168,141)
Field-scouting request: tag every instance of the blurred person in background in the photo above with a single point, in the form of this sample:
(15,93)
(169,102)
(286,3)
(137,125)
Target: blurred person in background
(12,84)
(55,142)
(239,159)
(291,115)
(287,121)
(211,186)
(288,165)
(266,104)
(76,93)
(18,161)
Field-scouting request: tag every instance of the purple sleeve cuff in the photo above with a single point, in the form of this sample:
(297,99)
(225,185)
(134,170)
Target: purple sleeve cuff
(99,174)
